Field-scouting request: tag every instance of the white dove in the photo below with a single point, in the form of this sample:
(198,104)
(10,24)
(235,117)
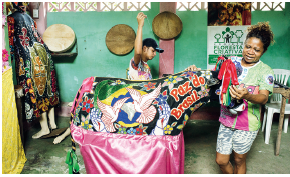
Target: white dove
(142,104)
(110,114)
(95,117)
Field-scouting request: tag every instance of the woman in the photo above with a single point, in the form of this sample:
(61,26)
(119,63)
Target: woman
(237,132)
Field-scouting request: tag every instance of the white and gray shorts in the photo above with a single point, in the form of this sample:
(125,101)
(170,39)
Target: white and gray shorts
(232,139)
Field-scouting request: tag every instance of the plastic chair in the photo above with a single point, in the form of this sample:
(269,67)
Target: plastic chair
(127,74)
(281,76)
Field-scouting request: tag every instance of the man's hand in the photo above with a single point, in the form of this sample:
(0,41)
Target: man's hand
(140,19)
(138,40)
(192,68)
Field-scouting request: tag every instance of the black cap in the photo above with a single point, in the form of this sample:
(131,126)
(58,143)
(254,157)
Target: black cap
(20,3)
(149,42)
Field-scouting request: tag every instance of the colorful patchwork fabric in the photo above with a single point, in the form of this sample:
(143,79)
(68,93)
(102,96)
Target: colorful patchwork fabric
(255,78)
(139,72)
(156,107)
(33,65)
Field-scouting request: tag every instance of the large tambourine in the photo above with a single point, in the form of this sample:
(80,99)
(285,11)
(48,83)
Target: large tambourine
(59,38)
(167,25)
(120,39)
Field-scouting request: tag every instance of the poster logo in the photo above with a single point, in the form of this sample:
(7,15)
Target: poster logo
(228,42)
(228,36)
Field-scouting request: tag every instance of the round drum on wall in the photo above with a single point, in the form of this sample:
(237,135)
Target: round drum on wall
(59,38)
(167,25)
(120,39)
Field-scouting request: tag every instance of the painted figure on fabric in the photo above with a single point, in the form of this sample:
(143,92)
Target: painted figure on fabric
(34,68)
(39,68)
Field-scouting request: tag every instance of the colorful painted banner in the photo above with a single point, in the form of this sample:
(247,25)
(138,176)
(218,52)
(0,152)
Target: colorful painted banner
(155,107)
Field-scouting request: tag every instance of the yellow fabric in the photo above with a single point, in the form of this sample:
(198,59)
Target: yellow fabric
(13,157)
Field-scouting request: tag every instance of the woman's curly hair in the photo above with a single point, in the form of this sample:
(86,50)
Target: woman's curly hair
(262,31)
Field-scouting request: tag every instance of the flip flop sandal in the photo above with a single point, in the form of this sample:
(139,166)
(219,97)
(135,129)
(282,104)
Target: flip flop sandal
(55,132)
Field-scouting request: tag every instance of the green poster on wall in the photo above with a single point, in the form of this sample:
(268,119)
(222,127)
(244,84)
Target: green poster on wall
(224,40)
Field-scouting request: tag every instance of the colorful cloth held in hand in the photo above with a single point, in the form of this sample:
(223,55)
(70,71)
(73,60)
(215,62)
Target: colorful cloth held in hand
(228,75)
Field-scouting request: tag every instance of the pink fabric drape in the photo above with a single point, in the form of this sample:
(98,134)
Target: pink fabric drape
(111,153)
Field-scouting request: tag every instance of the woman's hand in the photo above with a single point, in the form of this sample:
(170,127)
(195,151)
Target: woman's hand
(192,68)
(239,93)
(243,93)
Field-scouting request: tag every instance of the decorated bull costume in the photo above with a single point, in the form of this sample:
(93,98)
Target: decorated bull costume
(125,126)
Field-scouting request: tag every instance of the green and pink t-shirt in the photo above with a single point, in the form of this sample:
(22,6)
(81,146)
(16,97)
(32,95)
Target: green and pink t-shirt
(254,78)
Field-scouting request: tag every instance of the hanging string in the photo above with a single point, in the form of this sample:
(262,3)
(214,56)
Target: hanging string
(159,53)
(149,24)
(162,61)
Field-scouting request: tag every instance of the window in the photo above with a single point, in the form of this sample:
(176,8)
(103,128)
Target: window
(145,6)
(262,6)
(267,6)
(97,6)
(191,6)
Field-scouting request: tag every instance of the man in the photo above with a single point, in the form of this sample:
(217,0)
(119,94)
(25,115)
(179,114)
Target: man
(144,50)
